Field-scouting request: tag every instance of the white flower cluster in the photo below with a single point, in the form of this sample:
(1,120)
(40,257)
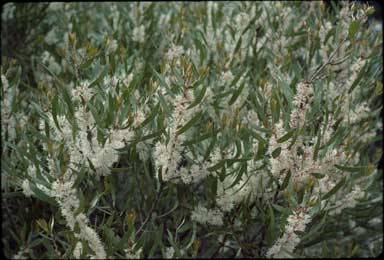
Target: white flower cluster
(169,155)
(207,216)
(138,34)
(227,198)
(324,29)
(21,253)
(86,145)
(284,160)
(348,201)
(174,52)
(131,253)
(302,101)
(7,123)
(226,77)
(289,240)
(361,111)
(169,253)
(78,250)
(66,195)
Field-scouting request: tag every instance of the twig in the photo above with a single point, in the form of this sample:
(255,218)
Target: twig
(150,211)
(222,244)
(329,62)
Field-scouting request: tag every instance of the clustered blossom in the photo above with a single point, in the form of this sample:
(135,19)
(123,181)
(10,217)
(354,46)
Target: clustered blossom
(299,159)
(169,252)
(301,101)
(66,195)
(226,77)
(102,156)
(289,240)
(21,253)
(78,250)
(131,253)
(285,160)
(169,155)
(324,29)
(138,34)
(207,216)
(8,123)
(174,52)
(348,201)
(227,198)
(26,188)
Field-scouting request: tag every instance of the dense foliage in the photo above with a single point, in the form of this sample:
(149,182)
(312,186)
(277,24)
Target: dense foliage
(179,130)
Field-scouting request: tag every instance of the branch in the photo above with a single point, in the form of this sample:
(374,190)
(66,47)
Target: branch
(150,211)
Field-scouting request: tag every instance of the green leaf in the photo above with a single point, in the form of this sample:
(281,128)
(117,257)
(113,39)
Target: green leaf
(95,114)
(334,189)
(279,208)
(42,196)
(318,175)
(82,204)
(210,148)
(189,124)
(67,99)
(87,63)
(217,166)
(15,81)
(236,94)
(286,180)
(199,97)
(271,226)
(276,152)
(94,203)
(99,78)
(55,109)
(317,145)
(242,170)
(365,169)
(258,137)
(152,115)
(286,136)
(315,229)
(339,132)
(199,139)
(190,243)
(43,224)
(162,80)
(353,27)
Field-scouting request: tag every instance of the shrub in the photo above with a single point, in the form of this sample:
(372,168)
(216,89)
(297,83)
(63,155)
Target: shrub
(174,130)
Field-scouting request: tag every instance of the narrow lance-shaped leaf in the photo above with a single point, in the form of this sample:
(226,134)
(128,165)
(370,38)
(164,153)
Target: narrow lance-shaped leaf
(190,123)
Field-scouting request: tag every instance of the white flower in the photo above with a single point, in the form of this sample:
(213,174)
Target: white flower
(5,83)
(138,118)
(242,19)
(138,34)
(349,201)
(302,101)
(174,52)
(51,37)
(26,188)
(78,250)
(66,196)
(133,254)
(112,46)
(289,240)
(226,77)
(207,216)
(169,252)
(20,254)
(82,91)
(127,79)
(361,111)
